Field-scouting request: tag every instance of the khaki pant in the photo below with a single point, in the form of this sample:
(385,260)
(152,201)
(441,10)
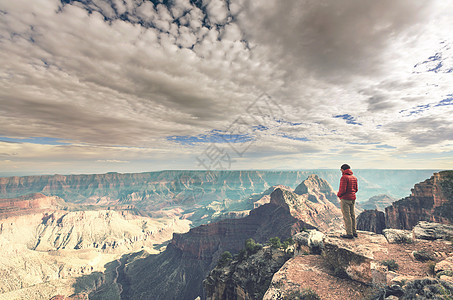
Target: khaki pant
(347,208)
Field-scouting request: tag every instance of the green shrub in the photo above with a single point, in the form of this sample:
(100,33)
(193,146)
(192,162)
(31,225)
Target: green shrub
(391,264)
(225,258)
(432,268)
(275,242)
(251,247)
(305,294)
(288,242)
(423,255)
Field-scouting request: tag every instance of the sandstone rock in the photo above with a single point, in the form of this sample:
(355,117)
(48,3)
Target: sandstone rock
(355,258)
(444,269)
(431,200)
(371,220)
(401,280)
(433,231)
(418,288)
(313,239)
(310,272)
(398,236)
(246,279)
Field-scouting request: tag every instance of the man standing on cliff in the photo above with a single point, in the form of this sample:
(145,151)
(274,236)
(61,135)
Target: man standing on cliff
(346,193)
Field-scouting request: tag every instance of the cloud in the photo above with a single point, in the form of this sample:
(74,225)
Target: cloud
(333,40)
(132,78)
(115,161)
(426,131)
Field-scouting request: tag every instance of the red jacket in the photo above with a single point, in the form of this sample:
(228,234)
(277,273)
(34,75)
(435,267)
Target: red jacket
(348,186)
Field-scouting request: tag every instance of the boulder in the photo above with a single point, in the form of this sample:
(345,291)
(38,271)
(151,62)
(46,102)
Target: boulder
(398,236)
(354,259)
(444,269)
(313,239)
(433,231)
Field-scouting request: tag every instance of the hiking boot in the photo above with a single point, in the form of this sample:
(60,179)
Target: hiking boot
(347,236)
(355,235)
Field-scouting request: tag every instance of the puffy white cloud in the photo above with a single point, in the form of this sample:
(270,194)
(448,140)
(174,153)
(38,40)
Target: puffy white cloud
(217,11)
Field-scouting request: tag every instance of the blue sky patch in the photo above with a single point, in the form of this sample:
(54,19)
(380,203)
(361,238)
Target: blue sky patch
(446,101)
(34,140)
(361,143)
(289,123)
(385,147)
(348,118)
(422,108)
(214,136)
(295,138)
(260,128)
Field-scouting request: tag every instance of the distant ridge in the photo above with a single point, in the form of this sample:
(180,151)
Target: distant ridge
(232,184)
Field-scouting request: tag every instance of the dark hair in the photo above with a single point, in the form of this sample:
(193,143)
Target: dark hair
(345,167)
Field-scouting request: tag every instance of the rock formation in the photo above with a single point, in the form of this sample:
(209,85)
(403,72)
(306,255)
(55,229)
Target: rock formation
(367,267)
(245,278)
(371,220)
(379,202)
(311,203)
(318,191)
(43,253)
(181,268)
(190,187)
(27,204)
(430,200)
(433,231)
(398,236)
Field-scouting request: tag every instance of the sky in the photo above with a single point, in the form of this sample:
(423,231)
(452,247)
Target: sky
(134,86)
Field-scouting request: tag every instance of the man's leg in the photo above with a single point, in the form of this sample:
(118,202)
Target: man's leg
(353,225)
(346,211)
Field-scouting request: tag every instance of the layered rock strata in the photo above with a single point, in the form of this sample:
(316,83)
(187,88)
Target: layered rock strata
(27,204)
(371,220)
(431,200)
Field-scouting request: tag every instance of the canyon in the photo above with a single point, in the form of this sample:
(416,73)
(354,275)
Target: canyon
(45,248)
(195,187)
(178,272)
(99,236)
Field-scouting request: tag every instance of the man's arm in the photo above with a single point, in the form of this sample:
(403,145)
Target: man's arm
(343,187)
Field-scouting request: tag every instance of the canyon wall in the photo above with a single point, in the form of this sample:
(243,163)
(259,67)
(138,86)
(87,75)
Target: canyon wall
(430,200)
(165,188)
(27,204)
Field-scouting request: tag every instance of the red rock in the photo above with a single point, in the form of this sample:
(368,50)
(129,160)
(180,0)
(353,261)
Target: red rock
(431,200)
(26,204)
